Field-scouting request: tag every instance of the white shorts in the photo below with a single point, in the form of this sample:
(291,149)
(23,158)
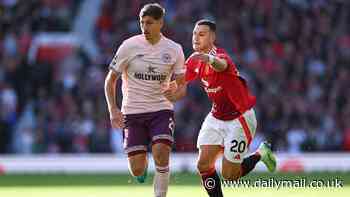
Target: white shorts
(234,135)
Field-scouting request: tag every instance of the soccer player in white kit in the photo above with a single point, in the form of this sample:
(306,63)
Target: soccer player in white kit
(146,63)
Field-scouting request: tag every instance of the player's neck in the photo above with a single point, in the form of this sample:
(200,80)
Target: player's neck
(155,39)
(207,50)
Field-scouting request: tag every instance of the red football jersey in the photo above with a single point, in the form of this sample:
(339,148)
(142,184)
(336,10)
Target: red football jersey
(227,90)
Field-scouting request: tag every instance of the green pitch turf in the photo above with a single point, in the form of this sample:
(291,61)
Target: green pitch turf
(174,191)
(182,185)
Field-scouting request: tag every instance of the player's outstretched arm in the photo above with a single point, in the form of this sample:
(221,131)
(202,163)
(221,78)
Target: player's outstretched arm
(176,89)
(218,64)
(115,115)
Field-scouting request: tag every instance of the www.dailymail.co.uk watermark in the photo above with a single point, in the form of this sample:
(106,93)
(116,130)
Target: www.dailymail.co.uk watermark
(277,183)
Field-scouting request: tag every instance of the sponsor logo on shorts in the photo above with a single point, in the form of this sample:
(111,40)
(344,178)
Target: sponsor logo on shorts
(171,125)
(237,157)
(126,135)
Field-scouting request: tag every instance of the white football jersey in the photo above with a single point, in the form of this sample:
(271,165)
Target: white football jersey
(144,67)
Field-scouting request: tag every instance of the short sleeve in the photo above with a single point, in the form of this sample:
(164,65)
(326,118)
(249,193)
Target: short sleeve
(120,59)
(226,57)
(231,66)
(191,70)
(179,67)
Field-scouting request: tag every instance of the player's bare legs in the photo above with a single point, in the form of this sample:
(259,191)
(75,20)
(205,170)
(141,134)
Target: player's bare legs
(230,171)
(206,168)
(161,153)
(137,164)
(233,171)
(207,157)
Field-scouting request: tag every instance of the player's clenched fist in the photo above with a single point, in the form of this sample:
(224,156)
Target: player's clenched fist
(169,90)
(117,119)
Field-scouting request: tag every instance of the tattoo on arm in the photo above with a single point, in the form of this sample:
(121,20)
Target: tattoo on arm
(219,64)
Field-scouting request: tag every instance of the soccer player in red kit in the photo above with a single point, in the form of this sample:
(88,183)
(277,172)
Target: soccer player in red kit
(231,124)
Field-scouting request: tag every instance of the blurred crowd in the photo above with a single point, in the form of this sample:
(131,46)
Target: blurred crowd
(295,55)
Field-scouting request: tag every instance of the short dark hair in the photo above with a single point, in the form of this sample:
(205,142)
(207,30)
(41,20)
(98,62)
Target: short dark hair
(209,23)
(154,10)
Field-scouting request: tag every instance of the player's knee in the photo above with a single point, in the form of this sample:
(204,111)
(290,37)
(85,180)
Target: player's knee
(161,157)
(230,175)
(203,166)
(137,164)
(137,170)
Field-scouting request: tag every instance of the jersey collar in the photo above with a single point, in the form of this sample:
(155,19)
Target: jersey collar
(213,51)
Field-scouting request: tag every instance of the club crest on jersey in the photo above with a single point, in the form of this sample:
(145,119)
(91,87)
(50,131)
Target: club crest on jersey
(166,57)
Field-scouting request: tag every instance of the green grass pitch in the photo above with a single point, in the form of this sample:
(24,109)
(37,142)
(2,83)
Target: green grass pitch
(182,185)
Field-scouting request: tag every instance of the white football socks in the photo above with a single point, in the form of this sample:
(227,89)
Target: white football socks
(161,181)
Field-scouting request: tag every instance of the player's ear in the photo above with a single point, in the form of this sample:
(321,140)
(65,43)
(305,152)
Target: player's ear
(213,36)
(161,22)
